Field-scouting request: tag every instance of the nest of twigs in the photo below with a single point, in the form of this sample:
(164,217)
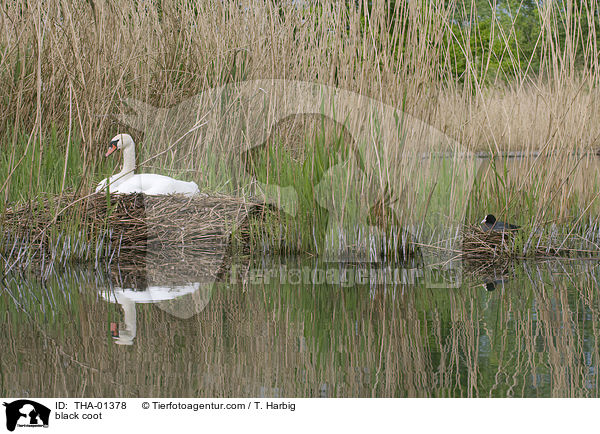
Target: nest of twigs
(129,226)
(477,244)
(480,246)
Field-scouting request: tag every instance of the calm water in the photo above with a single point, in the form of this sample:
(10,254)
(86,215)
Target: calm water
(300,328)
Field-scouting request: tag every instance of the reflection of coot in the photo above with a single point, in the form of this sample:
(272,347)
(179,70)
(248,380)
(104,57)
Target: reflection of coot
(491,285)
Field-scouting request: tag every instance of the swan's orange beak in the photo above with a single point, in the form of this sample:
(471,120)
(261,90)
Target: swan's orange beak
(114,330)
(111,148)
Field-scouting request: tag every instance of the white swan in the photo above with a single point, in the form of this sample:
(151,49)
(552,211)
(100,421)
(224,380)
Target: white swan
(129,297)
(127,182)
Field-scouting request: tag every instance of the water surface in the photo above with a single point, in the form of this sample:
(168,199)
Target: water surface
(303,328)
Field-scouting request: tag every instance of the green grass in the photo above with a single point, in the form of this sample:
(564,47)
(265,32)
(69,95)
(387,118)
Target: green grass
(427,199)
(29,167)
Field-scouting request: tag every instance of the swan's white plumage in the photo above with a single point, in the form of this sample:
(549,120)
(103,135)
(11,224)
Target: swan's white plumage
(150,184)
(126,182)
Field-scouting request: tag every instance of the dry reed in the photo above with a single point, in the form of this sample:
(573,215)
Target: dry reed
(72,64)
(69,63)
(134,226)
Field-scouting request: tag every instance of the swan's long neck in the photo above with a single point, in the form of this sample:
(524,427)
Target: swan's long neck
(128,161)
(127,336)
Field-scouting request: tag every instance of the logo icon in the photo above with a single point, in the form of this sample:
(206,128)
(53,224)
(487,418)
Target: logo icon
(26,413)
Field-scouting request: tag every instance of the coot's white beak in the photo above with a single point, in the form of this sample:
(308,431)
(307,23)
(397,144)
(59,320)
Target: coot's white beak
(483,221)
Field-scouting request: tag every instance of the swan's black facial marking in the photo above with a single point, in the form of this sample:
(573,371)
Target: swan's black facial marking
(112,147)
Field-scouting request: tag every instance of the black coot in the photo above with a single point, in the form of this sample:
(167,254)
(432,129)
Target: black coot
(489,223)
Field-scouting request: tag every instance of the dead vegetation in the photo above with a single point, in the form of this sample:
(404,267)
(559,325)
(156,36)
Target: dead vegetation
(126,227)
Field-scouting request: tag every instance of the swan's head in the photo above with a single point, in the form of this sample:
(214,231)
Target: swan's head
(120,141)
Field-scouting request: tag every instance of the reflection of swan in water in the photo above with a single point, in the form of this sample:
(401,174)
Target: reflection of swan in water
(182,301)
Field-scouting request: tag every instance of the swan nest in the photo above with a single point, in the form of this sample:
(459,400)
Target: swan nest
(129,225)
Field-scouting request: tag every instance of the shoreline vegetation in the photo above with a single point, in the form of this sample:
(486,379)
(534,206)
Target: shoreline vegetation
(389,111)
